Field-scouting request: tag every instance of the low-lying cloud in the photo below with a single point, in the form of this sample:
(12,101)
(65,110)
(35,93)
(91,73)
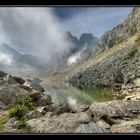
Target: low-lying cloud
(33,30)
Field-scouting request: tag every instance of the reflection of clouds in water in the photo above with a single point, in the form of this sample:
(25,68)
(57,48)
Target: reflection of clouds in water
(69,95)
(71,101)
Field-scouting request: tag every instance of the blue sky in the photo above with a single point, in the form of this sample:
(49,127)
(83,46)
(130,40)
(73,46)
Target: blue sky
(95,20)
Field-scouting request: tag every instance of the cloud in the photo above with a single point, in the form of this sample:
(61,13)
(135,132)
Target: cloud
(35,30)
(73,58)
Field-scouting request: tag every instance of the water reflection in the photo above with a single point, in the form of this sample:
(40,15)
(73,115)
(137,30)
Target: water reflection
(75,96)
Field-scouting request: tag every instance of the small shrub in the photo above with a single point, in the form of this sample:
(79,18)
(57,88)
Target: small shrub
(23,122)
(20,110)
(29,103)
(17,111)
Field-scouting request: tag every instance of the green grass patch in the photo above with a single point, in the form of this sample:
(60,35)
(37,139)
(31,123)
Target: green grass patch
(99,94)
(20,110)
(23,122)
(28,102)
(17,111)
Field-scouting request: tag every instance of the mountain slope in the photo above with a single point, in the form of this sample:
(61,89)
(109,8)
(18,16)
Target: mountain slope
(120,63)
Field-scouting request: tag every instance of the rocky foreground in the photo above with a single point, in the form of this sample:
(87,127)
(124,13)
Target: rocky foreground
(116,116)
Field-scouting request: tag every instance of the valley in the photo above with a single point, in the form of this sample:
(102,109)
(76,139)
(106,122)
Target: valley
(72,84)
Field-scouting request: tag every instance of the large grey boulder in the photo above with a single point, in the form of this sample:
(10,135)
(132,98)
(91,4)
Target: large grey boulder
(11,94)
(34,114)
(63,123)
(8,78)
(132,126)
(44,100)
(19,80)
(101,123)
(115,109)
(56,108)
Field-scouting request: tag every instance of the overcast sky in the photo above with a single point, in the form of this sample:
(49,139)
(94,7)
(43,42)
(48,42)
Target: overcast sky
(95,20)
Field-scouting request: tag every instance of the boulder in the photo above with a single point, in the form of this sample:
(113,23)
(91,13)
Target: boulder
(63,123)
(35,95)
(61,108)
(89,128)
(57,108)
(8,78)
(103,124)
(78,108)
(11,94)
(29,83)
(12,123)
(44,100)
(115,109)
(34,114)
(126,127)
(26,87)
(19,80)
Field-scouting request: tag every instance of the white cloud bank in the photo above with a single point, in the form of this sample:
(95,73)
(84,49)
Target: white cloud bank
(33,29)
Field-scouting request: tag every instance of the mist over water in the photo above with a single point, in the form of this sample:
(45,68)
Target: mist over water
(33,30)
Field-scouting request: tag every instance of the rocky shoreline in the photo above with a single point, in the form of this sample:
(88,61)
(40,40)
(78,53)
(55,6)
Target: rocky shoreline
(116,116)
